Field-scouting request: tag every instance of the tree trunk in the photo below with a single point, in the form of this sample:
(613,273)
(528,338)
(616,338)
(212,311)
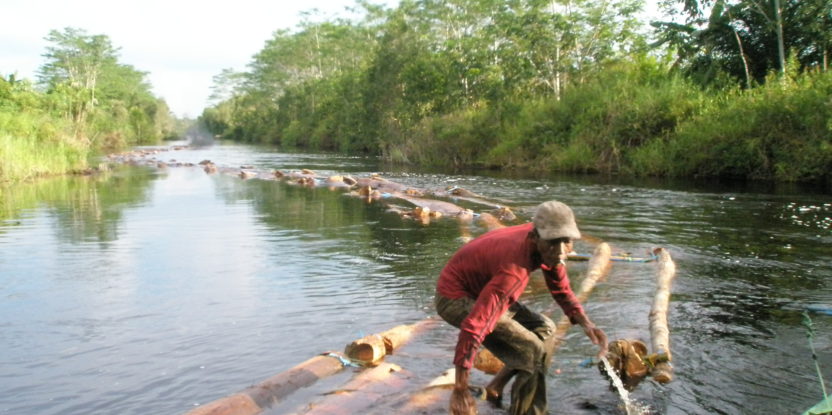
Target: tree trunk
(781,50)
(742,54)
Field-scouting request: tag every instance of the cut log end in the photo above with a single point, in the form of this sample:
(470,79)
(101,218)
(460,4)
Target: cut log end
(662,373)
(370,349)
(487,362)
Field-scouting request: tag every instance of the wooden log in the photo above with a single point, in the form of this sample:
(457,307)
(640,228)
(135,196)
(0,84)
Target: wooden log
(659,331)
(360,393)
(368,350)
(597,268)
(485,361)
(398,336)
(237,404)
(275,389)
(432,398)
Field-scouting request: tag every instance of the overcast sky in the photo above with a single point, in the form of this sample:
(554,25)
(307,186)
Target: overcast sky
(181,43)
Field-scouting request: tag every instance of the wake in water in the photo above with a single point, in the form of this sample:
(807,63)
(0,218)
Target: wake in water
(630,407)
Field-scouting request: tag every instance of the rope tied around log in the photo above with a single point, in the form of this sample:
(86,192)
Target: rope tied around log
(344,361)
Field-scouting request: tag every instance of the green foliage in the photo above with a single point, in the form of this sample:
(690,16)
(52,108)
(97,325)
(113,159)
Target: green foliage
(91,103)
(778,131)
(743,38)
(549,86)
(34,144)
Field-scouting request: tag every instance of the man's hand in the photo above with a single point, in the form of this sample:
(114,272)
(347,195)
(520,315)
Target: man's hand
(462,403)
(596,335)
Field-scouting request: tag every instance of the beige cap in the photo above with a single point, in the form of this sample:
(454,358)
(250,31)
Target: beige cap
(554,220)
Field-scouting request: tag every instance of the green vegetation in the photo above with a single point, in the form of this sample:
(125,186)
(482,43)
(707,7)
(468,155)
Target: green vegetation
(555,85)
(85,102)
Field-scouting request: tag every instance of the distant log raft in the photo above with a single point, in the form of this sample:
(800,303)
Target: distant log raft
(255,399)
(597,268)
(373,188)
(663,370)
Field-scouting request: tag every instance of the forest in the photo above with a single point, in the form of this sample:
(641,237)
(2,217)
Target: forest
(84,103)
(714,88)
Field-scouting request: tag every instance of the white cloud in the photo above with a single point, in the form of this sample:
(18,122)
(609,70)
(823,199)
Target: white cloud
(182,44)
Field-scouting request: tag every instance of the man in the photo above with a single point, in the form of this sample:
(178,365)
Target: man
(478,290)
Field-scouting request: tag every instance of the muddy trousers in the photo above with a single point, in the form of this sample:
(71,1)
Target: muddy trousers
(523,340)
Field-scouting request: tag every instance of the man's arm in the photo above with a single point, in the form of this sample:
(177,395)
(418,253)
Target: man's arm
(462,403)
(558,282)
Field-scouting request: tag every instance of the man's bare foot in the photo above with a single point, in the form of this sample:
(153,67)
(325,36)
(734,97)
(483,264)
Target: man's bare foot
(496,398)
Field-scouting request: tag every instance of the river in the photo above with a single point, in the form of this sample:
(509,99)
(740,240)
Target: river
(146,290)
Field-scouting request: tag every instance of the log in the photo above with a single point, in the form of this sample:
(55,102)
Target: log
(361,392)
(659,331)
(485,361)
(237,404)
(255,398)
(368,350)
(597,268)
(433,398)
(275,389)
(371,349)
(399,335)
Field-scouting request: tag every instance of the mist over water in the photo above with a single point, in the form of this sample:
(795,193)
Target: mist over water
(151,290)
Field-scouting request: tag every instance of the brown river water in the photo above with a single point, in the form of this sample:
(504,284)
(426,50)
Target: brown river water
(148,290)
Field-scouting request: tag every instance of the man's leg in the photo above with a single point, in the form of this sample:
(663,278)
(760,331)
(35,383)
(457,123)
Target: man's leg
(523,340)
(521,349)
(494,389)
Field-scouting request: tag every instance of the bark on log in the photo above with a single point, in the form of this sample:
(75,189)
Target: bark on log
(432,398)
(238,404)
(659,331)
(360,393)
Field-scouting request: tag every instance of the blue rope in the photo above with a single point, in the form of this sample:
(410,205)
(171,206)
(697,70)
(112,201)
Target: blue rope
(344,361)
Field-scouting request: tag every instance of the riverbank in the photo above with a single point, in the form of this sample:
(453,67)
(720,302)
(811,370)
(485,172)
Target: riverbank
(35,145)
(630,120)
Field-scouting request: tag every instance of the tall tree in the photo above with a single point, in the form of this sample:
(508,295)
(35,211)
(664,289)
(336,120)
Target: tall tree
(76,59)
(749,38)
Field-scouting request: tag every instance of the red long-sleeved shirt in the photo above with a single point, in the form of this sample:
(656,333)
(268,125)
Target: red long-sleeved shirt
(493,269)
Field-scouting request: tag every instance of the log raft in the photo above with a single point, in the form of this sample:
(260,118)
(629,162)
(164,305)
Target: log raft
(255,399)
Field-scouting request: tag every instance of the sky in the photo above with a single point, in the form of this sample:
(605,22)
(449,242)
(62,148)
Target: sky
(181,43)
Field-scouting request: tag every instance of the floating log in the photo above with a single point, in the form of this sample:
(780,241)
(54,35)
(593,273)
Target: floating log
(254,399)
(399,335)
(371,349)
(275,389)
(485,361)
(615,258)
(361,393)
(660,333)
(434,398)
(368,350)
